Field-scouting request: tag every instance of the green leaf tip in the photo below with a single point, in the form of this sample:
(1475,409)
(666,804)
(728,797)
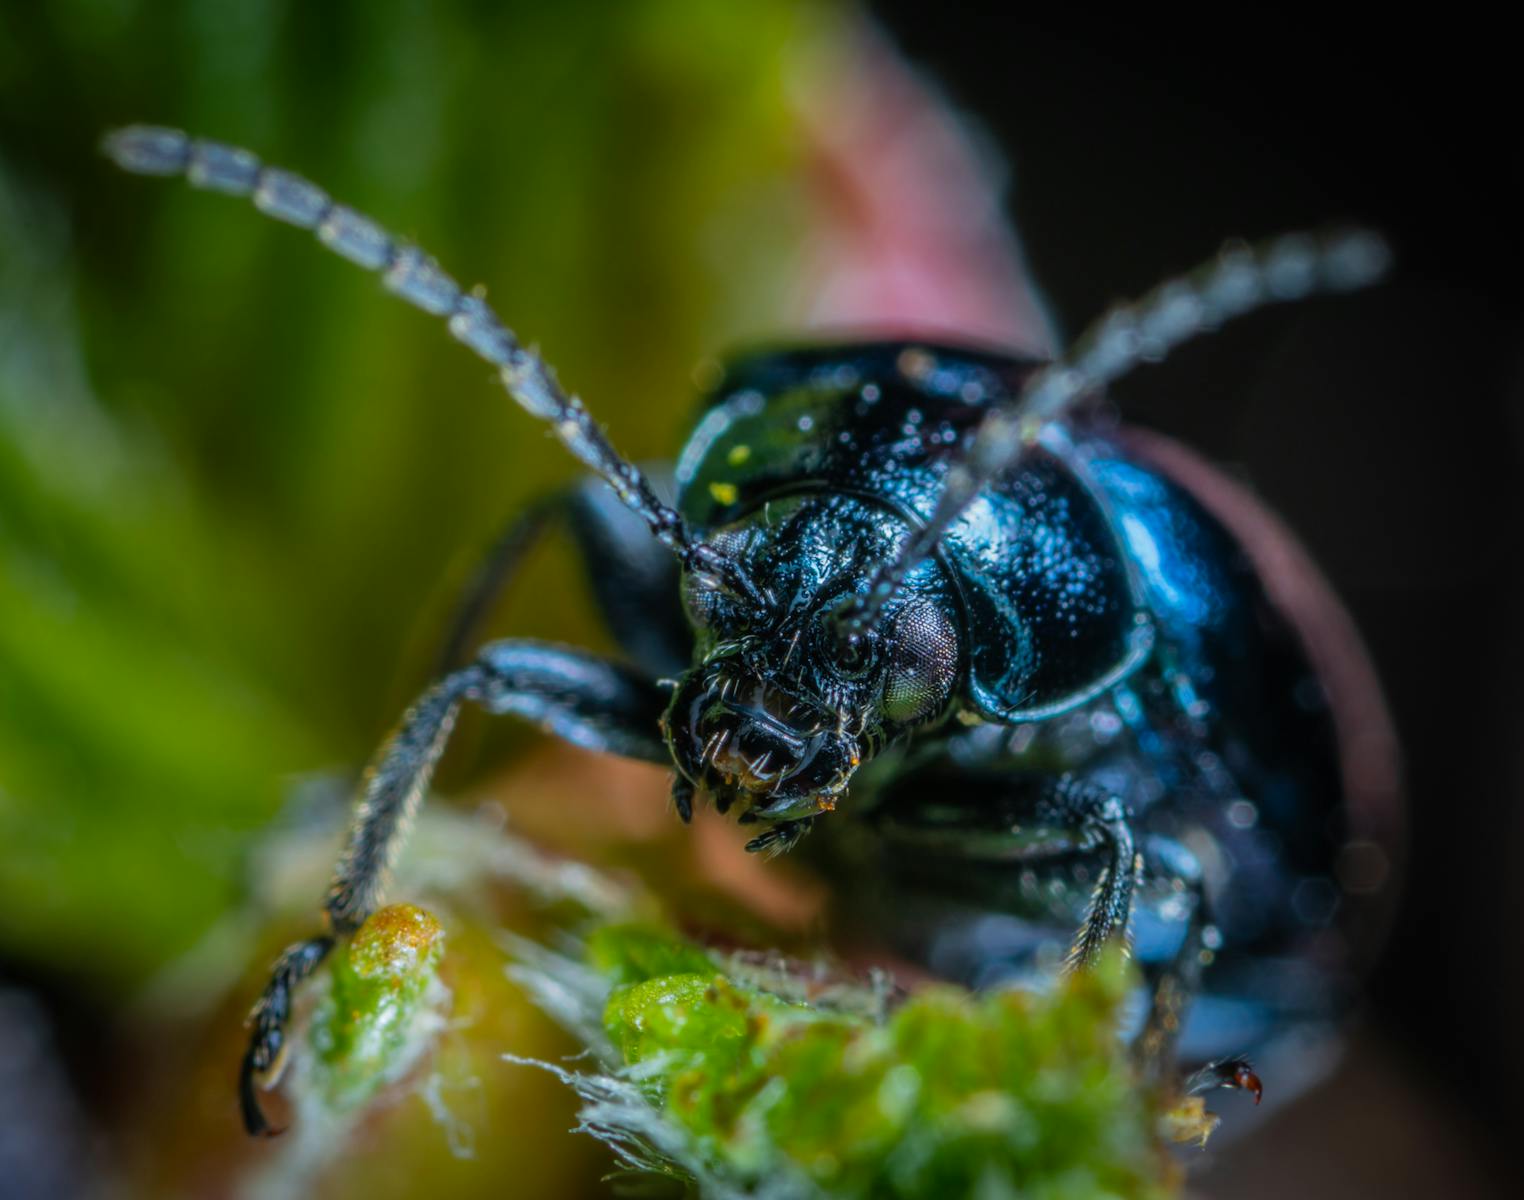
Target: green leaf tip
(397,946)
(381,1010)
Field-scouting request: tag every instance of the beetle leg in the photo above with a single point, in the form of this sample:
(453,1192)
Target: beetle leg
(633,580)
(578,697)
(1175,985)
(1178,981)
(493,575)
(1100,819)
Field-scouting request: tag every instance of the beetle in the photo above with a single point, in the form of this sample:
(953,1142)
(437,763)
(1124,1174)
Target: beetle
(1068,684)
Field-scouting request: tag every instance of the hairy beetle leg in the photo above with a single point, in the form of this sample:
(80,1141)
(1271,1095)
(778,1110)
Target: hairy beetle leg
(1100,819)
(582,699)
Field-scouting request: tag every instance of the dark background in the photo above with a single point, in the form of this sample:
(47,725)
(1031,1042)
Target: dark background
(1386,430)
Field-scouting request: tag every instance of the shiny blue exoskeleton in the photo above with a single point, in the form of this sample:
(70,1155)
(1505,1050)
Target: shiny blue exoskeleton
(1113,634)
(1065,684)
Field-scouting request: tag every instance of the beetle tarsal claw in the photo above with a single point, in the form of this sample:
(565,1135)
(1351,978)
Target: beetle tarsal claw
(1233,1074)
(780,838)
(682,799)
(1245,1078)
(253,1080)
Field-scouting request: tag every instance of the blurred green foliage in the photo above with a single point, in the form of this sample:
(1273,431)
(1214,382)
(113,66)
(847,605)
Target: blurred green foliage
(236,480)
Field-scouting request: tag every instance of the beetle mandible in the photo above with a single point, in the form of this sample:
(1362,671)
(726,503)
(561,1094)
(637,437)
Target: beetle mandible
(1049,669)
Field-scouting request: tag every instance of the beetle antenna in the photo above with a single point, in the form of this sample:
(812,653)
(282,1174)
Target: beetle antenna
(409,272)
(1239,280)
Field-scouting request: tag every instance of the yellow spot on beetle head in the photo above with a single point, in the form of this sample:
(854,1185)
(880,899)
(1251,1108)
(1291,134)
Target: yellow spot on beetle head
(725,493)
(915,363)
(738,455)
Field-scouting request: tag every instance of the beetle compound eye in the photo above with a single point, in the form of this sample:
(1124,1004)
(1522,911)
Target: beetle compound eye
(924,662)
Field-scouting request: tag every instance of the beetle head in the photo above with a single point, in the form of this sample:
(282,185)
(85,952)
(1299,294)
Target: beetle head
(778,710)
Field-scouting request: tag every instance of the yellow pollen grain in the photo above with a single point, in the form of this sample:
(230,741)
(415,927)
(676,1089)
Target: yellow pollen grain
(738,455)
(725,493)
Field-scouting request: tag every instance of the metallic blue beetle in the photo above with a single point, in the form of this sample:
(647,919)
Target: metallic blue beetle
(1066,683)
(1114,689)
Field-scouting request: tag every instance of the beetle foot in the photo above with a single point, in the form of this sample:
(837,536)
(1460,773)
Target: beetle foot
(1237,1073)
(682,799)
(780,838)
(265,1059)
